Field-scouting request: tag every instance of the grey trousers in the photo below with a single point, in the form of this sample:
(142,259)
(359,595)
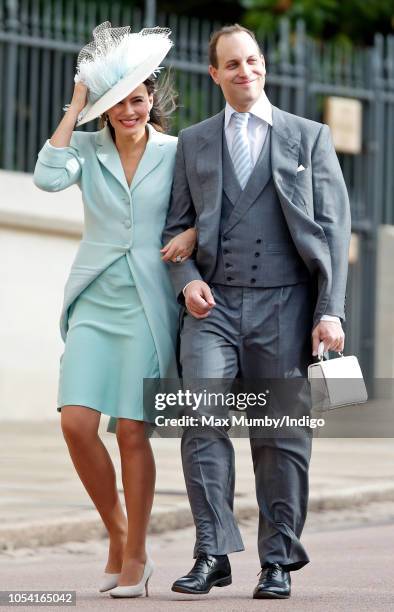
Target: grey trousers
(251,333)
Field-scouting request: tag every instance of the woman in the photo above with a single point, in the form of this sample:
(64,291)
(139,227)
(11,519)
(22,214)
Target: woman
(119,318)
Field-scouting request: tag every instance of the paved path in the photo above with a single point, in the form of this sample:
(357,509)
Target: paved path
(351,569)
(43,502)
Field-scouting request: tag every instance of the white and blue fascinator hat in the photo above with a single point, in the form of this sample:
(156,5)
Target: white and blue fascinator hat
(116,62)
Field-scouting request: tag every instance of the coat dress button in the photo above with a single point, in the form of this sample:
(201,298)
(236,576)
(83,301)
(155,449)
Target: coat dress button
(127,224)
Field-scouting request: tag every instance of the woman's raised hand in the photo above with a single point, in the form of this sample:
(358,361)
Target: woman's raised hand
(179,248)
(63,133)
(79,99)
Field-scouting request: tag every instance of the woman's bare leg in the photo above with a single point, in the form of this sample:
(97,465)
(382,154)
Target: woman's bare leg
(138,475)
(97,473)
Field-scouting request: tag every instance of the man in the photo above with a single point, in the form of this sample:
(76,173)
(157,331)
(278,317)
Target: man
(265,191)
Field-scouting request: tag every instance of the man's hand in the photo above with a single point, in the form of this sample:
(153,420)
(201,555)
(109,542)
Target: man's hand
(199,299)
(331,334)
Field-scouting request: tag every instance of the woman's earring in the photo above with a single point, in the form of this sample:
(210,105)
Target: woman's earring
(105,119)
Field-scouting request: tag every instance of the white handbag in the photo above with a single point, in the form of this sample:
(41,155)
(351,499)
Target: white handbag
(336,382)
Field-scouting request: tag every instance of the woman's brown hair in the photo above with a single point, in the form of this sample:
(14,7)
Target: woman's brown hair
(164,104)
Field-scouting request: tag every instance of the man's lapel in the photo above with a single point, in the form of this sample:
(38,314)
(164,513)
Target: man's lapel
(209,169)
(209,164)
(285,146)
(231,186)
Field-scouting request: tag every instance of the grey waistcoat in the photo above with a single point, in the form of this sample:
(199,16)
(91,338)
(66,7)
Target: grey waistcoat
(255,245)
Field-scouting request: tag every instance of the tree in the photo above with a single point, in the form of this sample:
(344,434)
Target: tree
(224,11)
(350,21)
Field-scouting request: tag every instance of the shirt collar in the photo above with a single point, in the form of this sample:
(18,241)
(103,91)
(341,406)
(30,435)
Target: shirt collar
(261,109)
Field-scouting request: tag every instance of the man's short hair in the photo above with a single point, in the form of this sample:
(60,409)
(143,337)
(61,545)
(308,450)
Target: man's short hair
(226,31)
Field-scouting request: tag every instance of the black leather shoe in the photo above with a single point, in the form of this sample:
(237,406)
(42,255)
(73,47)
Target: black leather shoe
(274,583)
(207,572)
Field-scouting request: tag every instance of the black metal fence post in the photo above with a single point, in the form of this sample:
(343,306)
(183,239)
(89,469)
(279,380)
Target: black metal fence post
(150,13)
(10,88)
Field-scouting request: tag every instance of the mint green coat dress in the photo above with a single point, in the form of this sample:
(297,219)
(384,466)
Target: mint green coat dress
(119,318)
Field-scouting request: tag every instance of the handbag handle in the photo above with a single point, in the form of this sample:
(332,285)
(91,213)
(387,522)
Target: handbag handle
(320,352)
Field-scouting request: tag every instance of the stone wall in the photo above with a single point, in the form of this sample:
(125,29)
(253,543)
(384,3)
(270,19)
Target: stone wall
(39,234)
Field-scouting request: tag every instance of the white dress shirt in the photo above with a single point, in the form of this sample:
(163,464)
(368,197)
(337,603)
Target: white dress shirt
(259,120)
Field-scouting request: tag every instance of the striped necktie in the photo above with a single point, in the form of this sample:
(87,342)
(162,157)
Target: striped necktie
(240,152)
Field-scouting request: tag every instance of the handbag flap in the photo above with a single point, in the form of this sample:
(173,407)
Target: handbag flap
(342,367)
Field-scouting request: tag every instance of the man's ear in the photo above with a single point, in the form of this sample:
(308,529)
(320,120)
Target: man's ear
(214,73)
(263,60)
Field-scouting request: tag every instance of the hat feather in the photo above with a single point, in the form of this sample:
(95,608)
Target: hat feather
(114,54)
